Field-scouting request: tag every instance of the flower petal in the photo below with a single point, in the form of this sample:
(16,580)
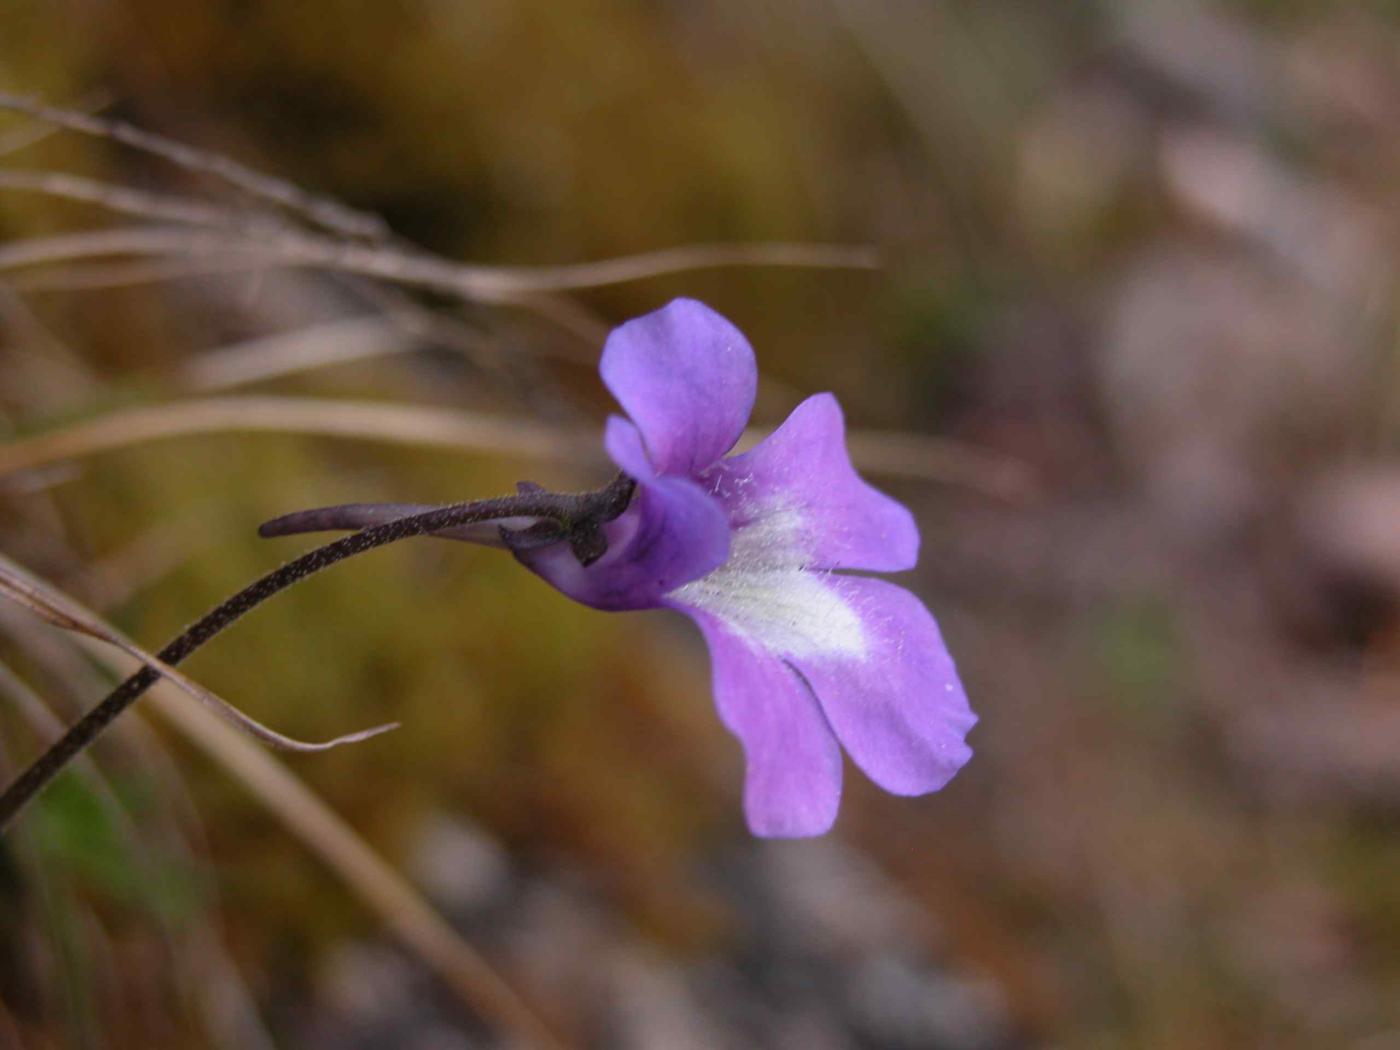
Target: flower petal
(792,786)
(687,378)
(623,441)
(803,473)
(897,706)
(673,532)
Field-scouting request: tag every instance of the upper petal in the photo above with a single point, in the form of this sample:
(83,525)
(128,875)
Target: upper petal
(672,533)
(792,784)
(687,378)
(894,701)
(802,474)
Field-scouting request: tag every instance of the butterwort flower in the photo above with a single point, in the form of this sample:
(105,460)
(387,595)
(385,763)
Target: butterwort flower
(758,549)
(755,548)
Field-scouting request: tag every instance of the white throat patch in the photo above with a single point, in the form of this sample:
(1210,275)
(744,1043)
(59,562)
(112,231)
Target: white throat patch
(765,593)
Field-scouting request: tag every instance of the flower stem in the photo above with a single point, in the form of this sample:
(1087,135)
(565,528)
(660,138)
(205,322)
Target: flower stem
(569,509)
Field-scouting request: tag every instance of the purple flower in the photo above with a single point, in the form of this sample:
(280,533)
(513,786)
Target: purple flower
(806,659)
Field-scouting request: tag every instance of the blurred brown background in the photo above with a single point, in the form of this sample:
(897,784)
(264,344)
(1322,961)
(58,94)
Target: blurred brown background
(1132,359)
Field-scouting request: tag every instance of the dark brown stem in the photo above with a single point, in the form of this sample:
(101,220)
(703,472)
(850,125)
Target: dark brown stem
(570,510)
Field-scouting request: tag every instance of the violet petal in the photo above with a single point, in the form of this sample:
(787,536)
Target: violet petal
(792,786)
(624,443)
(896,705)
(803,471)
(687,378)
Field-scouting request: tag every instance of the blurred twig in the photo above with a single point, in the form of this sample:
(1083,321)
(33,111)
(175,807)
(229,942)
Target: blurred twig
(916,457)
(159,207)
(84,277)
(37,131)
(27,590)
(330,214)
(316,346)
(407,424)
(113,579)
(355,242)
(416,268)
(897,41)
(23,137)
(922,457)
(39,366)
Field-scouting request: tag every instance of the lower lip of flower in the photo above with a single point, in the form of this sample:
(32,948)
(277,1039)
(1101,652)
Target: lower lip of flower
(765,593)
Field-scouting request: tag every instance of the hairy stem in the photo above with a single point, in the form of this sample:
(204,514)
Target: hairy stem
(568,509)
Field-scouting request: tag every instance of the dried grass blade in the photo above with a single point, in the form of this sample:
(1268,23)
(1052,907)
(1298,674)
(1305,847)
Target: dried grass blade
(159,207)
(322,211)
(401,907)
(24,589)
(916,457)
(364,420)
(472,282)
(386,892)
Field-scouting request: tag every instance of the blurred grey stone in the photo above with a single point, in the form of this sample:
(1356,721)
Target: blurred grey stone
(556,938)
(1203,52)
(372,996)
(440,1037)
(838,901)
(1348,524)
(898,1004)
(831,955)
(1207,366)
(652,1004)
(367,983)
(460,866)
